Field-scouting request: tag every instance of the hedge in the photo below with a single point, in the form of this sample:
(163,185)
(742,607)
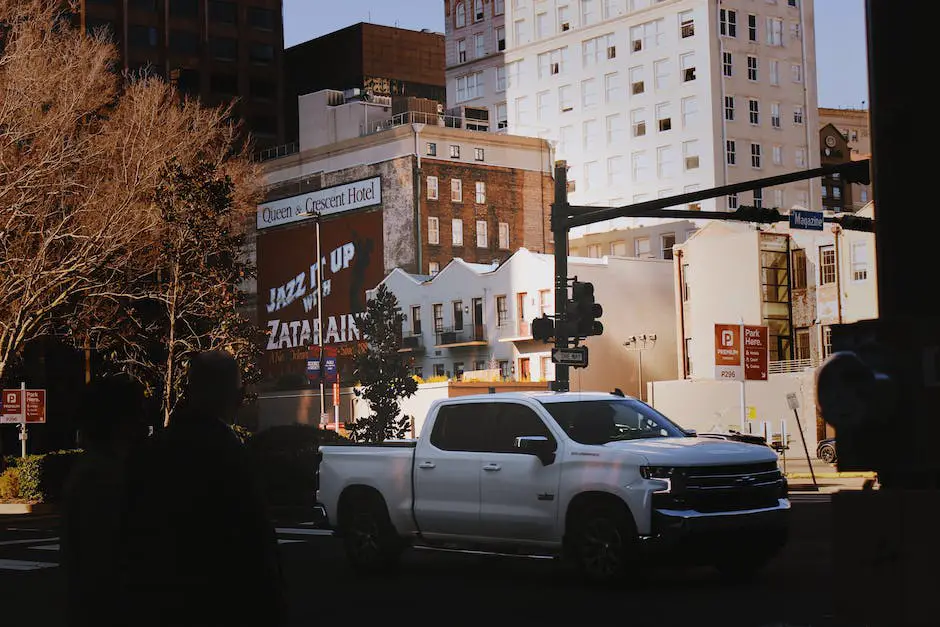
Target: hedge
(39,478)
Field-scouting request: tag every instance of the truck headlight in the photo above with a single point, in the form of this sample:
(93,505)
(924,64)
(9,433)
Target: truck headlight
(662,475)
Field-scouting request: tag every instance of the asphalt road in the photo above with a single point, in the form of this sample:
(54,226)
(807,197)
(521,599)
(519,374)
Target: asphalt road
(438,588)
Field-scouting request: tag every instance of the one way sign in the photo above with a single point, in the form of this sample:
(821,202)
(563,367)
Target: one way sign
(576,357)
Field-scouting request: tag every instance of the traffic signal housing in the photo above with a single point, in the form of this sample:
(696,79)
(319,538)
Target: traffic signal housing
(583,311)
(763,215)
(543,328)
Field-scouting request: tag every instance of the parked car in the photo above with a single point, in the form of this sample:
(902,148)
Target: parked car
(826,450)
(599,479)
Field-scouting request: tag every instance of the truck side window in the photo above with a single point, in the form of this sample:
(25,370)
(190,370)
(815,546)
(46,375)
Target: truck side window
(512,421)
(461,427)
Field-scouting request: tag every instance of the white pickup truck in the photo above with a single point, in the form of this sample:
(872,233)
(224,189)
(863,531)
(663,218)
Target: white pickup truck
(600,479)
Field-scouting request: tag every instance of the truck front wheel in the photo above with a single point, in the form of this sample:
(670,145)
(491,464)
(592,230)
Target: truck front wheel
(602,542)
(371,542)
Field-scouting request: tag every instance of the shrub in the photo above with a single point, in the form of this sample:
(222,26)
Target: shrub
(286,459)
(244,435)
(10,483)
(42,477)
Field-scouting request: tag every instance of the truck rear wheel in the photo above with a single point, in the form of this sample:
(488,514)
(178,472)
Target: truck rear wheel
(603,542)
(371,542)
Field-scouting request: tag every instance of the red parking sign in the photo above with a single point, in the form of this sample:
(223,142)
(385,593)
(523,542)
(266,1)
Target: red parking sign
(15,401)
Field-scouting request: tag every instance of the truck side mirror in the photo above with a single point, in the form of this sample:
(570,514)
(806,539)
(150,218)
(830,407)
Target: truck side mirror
(538,445)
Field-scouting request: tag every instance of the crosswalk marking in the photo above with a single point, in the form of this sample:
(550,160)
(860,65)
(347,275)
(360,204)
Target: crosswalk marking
(24,565)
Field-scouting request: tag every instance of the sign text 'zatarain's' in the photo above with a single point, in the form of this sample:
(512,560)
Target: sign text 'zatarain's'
(328,201)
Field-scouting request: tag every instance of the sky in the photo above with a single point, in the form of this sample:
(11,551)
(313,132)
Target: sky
(840,35)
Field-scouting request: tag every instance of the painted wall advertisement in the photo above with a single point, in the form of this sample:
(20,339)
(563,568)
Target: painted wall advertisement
(352,262)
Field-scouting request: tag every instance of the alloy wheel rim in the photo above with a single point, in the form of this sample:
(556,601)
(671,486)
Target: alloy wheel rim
(365,534)
(602,550)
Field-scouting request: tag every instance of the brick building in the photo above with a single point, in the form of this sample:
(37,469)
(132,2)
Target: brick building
(214,49)
(382,61)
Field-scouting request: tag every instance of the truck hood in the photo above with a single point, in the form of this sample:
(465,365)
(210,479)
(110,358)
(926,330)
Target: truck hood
(694,451)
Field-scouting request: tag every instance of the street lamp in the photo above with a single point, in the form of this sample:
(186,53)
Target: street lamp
(640,343)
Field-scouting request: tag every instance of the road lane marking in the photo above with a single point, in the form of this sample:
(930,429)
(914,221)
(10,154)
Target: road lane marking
(24,565)
(288,541)
(33,541)
(46,547)
(303,532)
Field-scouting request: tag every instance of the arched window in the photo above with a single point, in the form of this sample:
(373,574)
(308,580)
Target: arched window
(460,13)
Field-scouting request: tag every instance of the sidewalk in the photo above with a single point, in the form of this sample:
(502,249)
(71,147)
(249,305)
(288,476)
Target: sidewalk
(828,478)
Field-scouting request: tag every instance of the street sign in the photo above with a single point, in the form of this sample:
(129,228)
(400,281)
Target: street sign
(14,401)
(728,352)
(806,220)
(755,353)
(577,356)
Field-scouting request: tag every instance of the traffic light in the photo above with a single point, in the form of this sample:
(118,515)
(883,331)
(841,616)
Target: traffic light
(543,328)
(583,312)
(856,223)
(746,213)
(857,172)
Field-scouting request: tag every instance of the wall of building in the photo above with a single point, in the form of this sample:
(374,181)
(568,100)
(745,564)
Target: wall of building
(623,241)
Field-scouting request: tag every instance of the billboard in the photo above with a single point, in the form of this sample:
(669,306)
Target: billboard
(352,262)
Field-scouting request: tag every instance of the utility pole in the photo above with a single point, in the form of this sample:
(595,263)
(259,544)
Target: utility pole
(560,235)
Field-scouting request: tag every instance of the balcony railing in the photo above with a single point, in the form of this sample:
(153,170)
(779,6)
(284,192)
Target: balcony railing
(412,343)
(511,330)
(276,152)
(792,365)
(474,335)
(431,119)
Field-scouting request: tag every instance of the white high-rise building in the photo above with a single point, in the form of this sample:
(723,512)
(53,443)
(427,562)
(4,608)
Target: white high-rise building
(646,98)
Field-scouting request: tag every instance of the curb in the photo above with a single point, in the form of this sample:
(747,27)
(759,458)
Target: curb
(832,475)
(19,509)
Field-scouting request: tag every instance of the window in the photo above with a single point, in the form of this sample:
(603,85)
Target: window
(477,10)
(727,64)
(728,23)
(730,152)
(859,261)
(661,71)
(261,89)
(639,166)
(618,248)
(826,341)
(795,30)
(456,228)
(430,148)
(547,368)
(480,197)
(686,24)
(478,154)
(668,241)
(755,156)
(752,27)
(758,198)
(732,201)
(637,86)
(594,251)
(774,72)
(501,38)
(751,68)
(687,65)
(798,269)
(564,19)
(827,265)
(565,137)
(774,31)
(615,129)
(145,36)
(592,175)
(458,315)
(690,154)
(469,86)
(689,110)
(638,122)
(460,15)
(504,235)
(614,170)
(589,12)
(591,130)
(438,313)
(223,12)
(545,302)
(461,51)
(665,166)
(778,155)
(663,117)
(184,8)
(598,49)
(612,88)
(791,3)
(224,84)
(800,159)
(589,93)
(262,19)
(641,248)
(802,344)
(416,320)
(454,151)
(432,188)
(564,98)
(646,36)
(797,71)
(729,108)
(514,420)
(798,114)
(434,231)
(261,54)
(499,7)
(775,114)
(552,62)
(456,190)
(478,48)
(433,268)
(184,42)
(502,311)
(438,370)
(481,234)
(753,111)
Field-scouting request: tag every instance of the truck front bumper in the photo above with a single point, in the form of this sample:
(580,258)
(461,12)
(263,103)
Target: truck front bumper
(674,527)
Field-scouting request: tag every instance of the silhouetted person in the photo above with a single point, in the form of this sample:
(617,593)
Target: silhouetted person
(201,549)
(110,423)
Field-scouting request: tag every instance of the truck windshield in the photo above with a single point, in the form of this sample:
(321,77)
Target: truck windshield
(603,421)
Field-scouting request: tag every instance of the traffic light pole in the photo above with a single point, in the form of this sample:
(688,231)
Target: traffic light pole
(560,227)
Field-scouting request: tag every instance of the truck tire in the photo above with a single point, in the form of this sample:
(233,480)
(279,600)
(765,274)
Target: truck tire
(372,545)
(744,562)
(603,542)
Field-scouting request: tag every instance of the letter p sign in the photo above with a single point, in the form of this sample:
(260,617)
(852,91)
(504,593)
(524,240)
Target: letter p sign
(727,338)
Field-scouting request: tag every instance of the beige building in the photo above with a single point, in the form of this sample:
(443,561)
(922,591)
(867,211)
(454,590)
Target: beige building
(844,136)
(653,241)
(854,126)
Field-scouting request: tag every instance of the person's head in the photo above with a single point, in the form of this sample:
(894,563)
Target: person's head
(110,413)
(214,386)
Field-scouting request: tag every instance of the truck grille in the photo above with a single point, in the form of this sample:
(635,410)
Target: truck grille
(724,488)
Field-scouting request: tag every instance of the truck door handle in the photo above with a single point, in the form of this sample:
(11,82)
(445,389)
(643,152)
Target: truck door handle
(426,465)
(492,467)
